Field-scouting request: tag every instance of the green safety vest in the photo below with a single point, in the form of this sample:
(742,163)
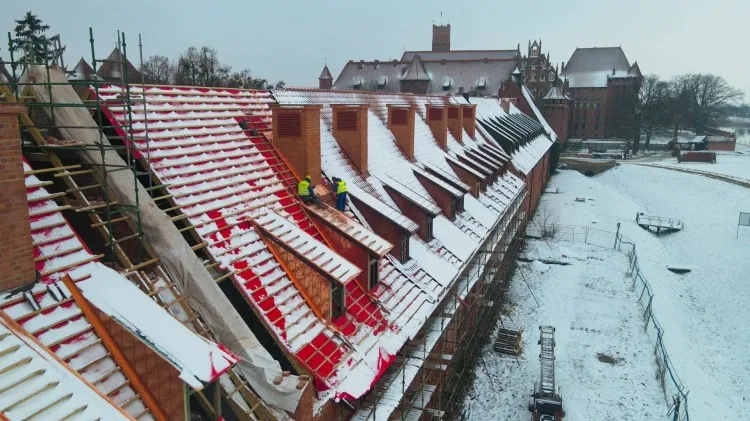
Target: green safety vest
(341,187)
(303,188)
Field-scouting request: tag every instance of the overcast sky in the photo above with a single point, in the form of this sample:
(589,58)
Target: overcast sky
(290,40)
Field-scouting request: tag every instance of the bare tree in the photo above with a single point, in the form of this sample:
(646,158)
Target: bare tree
(201,67)
(158,70)
(654,100)
(711,97)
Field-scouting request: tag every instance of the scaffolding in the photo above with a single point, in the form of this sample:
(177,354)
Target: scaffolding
(429,378)
(88,199)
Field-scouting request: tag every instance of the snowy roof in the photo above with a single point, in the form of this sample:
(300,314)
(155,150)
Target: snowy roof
(352,229)
(597,59)
(468,76)
(306,247)
(555,93)
(416,70)
(464,55)
(198,360)
(426,204)
(61,327)
(440,182)
(377,205)
(36,384)
(450,177)
(219,176)
(433,266)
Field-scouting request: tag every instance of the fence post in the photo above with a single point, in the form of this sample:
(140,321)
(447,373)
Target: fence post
(617,234)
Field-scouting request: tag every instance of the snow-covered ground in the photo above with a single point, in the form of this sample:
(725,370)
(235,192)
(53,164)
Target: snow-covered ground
(734,164)
(595,314)
(704,313)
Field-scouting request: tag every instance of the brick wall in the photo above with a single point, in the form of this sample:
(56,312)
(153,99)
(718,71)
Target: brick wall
(557,114)
(17,263)
(402,128)
(161,379)
(350,131)
(469,120)
(296,133)
(722,145)
(437,120)
(455,117)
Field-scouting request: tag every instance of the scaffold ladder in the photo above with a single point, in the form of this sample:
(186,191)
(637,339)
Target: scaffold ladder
(547,361)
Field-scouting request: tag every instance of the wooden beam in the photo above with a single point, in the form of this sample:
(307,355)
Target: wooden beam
(128,370)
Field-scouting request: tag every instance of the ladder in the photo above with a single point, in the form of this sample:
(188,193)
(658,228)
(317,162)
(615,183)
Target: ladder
(547,361)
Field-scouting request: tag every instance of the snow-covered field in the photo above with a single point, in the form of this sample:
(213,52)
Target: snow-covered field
(704,313)
(594,312)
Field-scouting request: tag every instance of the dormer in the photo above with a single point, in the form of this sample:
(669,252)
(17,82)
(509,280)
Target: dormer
(401,125)
(350,131)
(389,223)
(447,196)
(355,242)
(417,208)
(437,119)
(320,273)
(476,180)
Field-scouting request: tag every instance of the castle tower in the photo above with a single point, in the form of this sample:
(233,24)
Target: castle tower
(325,80)
(441,37)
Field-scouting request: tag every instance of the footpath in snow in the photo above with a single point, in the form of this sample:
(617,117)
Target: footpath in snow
(605,362)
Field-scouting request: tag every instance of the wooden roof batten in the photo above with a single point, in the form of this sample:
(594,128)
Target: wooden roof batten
(316,255)
(351,229)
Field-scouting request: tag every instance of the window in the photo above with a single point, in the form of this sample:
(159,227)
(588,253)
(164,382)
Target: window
(576,126)
(372,277)
(338,299)
(357,82)
(583,126)
(596,126)
(382,80)
(404,256)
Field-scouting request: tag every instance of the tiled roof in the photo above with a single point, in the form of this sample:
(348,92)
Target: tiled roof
(59,324)
(415,71)
(465,55)
(555,93)
(220,176)
(468,75)
(325,74)
(36,385)
(589,60)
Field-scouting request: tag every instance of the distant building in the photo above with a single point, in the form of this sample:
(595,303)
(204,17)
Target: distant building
(442,71)
(112,69)
(603,86)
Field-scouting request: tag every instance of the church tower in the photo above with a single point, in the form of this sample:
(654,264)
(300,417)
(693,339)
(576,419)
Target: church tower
(441,37)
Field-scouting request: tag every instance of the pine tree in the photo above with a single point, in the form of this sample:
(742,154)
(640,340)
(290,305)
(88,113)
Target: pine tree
(31,40)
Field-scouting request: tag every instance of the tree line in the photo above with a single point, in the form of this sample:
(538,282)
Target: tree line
(197,66)
(200,67)
(689,101)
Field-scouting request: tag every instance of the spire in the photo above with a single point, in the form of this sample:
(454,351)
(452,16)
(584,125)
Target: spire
(325,74)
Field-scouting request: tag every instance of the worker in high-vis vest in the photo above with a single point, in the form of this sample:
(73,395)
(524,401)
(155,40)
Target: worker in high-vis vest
(306,192)
(340,186)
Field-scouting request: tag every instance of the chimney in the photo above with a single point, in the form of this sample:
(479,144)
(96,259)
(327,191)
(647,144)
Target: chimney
(469,119)
(438,122)
(350,131)
(296,133)
(17,267)
(456,122)
(401,124)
